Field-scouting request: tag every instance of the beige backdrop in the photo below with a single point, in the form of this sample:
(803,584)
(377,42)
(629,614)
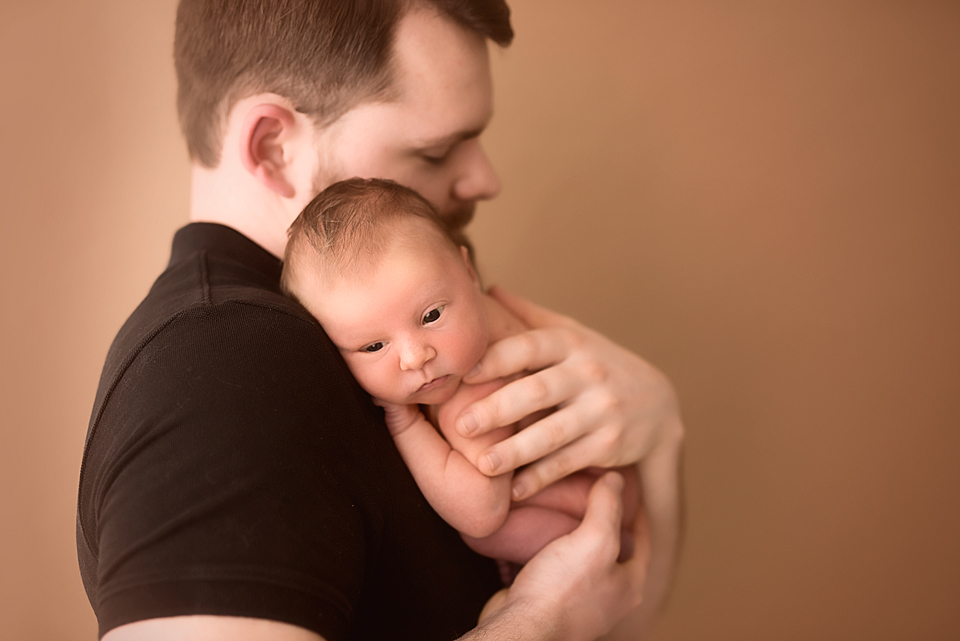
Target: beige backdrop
(761,198)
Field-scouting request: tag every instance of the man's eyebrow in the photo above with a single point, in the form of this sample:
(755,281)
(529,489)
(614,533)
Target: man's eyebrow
(451,139)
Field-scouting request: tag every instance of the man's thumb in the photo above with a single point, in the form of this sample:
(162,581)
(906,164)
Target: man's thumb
(605,506)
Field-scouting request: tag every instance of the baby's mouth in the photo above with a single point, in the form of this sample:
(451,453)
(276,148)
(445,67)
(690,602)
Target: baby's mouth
(429,385)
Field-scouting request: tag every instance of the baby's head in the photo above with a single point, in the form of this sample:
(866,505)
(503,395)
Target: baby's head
(373,262)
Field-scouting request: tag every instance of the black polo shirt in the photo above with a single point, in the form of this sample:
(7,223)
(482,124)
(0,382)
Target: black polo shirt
(233,467)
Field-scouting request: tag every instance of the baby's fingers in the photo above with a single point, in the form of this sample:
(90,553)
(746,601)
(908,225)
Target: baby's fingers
(398,418)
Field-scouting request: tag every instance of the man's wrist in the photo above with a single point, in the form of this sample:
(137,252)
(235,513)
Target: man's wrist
(669,446)
(517,619)
(661,479)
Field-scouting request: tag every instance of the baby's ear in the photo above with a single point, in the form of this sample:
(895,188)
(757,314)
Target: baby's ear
(465,255)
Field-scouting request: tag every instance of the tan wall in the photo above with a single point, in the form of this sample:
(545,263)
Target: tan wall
(762,198)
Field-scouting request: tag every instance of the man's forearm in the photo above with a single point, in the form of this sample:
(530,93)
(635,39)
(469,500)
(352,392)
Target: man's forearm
(661,478)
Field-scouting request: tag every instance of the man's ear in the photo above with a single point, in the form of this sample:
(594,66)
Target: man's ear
(266,131)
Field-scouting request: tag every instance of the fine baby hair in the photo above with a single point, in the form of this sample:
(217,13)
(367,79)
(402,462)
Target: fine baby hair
(346,228)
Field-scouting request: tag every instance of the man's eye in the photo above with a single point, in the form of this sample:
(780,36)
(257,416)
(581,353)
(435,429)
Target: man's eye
(432,316)
(436,157)
(373,347)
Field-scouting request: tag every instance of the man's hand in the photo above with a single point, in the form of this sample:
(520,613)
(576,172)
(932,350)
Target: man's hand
(574,589)
(613,408)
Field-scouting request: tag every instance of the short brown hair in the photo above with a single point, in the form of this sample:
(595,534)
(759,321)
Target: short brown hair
(326,56)
(349,225)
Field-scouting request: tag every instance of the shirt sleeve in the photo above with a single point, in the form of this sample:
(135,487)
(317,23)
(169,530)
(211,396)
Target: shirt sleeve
(225,476)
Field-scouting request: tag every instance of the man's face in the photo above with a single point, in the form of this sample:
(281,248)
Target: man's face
(428,137)
(411,327)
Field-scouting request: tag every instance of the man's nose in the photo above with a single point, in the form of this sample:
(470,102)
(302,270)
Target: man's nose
(478,179)
(414,355)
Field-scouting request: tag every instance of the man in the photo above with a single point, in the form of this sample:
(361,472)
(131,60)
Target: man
(236,483)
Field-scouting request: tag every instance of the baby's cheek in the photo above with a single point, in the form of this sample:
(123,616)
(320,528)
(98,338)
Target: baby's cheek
(471,351)
(375,382)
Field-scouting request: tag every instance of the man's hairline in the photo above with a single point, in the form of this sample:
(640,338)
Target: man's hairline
(388,95)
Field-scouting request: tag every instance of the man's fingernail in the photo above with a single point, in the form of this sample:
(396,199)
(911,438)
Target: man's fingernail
(495,461)
(475,370)
(519,491)
(469,423)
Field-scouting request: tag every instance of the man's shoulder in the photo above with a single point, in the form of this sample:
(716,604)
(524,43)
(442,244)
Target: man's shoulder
(221,322)
(205,282)
(206,291)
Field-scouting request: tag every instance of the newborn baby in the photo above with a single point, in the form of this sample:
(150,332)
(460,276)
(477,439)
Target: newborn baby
(399,297)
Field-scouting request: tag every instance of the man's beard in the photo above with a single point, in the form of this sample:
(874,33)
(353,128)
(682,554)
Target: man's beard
(459,218)
(456,221)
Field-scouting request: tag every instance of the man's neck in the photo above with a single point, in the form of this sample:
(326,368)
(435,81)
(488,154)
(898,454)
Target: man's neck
(216,196)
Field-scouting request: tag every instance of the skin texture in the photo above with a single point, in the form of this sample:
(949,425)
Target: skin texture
(613,408)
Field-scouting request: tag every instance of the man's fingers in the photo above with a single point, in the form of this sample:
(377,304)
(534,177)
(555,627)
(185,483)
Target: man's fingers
(582,451)
(590,590)
(637,564)
(543,438)
(604,517)
(529,351)
(518,399)
(545,471)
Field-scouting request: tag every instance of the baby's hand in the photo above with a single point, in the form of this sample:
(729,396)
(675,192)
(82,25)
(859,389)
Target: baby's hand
(399,418)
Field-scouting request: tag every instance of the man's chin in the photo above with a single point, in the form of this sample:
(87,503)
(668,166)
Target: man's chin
(458,219)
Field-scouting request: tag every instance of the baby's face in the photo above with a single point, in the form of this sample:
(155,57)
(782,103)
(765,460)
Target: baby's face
(411,328)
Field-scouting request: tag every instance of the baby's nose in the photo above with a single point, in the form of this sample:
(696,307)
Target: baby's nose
(415,355)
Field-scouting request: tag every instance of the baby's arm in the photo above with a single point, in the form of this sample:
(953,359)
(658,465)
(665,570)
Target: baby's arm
(554,511)
(471,502)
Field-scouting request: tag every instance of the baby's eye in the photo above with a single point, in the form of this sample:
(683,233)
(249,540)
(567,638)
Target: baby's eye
(433,315)
(373,347)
